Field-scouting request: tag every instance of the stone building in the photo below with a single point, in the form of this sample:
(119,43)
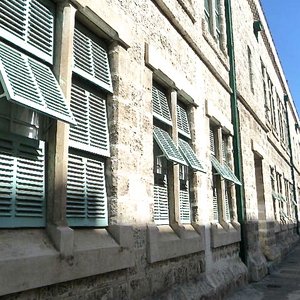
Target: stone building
(148,149)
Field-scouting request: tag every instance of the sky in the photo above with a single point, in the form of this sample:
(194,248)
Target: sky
(283,20)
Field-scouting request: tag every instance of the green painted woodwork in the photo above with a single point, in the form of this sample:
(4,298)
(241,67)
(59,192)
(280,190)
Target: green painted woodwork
(29,24)
(91,58)
(161,205)
(190,156)
(91,132)
(167,146)
(160,105)
(29,83)
(86,191)
(22,185)
(183,122)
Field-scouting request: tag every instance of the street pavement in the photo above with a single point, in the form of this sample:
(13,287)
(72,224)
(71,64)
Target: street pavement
(281,284)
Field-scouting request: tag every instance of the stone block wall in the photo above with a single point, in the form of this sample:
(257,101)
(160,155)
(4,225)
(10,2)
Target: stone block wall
(134,258)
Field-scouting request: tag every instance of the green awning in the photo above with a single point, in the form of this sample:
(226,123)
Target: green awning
(167,146)
(190,156)
(224,170)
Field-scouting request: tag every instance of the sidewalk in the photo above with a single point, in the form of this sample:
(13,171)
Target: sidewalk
(282,284)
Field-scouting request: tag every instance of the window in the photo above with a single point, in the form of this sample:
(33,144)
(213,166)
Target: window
(207,14)
(28,92)
(271,101)
(213,18)
(274,194)
(223,177)
(266,95)
(250,69)
(280,199)
(89,140)
(168,151)
(283,130)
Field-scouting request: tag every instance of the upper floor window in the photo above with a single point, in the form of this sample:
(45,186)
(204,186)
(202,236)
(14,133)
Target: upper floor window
(250,69)
(213,18)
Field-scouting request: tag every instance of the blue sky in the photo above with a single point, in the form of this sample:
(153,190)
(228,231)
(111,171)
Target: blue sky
(283,19)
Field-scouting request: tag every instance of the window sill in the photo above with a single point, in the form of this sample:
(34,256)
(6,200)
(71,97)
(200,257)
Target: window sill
(227,234)
(30,258)
(165,242)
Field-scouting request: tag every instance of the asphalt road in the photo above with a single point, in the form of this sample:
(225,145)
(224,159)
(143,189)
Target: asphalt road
(282,284)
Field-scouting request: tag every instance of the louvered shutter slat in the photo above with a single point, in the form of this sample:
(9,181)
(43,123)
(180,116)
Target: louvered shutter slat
(30,186)
(167,146)
(30,25)
(32,84)
(231,175)
(227,208)
(183,122)
(190,156)
(215,208)
(161,205)
(224,170)
(79,106)
(6,185)
(13,17)
(90,113)
(96,190)
(22,196)
(160,106)
(91,60)
(212,141)
(41,25)
(82,52)
(101,66)
(98,127)
(184,207)
(20,81)
(86,192)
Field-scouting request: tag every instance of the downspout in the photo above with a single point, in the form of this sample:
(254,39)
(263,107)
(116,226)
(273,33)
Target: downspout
(286,100)
(236,128)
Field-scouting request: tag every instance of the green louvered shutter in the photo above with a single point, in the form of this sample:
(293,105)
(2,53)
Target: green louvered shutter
(86,192)
(183,122)
(215,202)
(22,185)
(167,146)
(32,84)
(160,105)
(224,149)
(212,141)
(30,25)
(91,132)
(227,207)
(41,26)
(230,174)
(224,170)
(161,205)
(190,156)
(91,59)
(184,207)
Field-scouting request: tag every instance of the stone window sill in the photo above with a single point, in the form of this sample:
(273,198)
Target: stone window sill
(29,257)
(166,242)
(222,235)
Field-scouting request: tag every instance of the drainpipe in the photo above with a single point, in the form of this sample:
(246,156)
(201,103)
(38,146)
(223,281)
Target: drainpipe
(240,195)
(286,100)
